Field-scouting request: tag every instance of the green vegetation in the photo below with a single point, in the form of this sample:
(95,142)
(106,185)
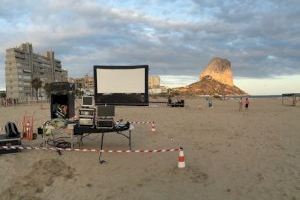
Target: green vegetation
(36,85)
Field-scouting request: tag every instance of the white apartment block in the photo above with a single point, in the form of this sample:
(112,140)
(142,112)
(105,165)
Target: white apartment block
(22,65)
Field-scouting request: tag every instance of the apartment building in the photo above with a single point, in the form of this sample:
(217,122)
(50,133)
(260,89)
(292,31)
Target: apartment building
(22,65)
(85,84)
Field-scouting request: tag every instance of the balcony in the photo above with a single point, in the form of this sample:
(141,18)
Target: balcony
(20,56)
(26,71)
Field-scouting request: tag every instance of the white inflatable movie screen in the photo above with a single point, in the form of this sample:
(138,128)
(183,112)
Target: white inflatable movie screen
(121,85)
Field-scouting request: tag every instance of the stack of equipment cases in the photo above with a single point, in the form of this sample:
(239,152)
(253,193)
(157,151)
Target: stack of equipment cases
(105,117)
(87,116)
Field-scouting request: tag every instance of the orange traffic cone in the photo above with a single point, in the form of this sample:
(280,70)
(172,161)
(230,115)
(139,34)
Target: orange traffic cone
(153,127)
(27,129)
(181,159)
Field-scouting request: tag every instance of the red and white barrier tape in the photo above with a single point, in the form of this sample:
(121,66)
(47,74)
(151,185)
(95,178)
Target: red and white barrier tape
(153,129)
(138,122)
(20,124)
(89,150)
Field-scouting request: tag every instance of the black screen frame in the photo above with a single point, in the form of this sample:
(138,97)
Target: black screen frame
(122,99)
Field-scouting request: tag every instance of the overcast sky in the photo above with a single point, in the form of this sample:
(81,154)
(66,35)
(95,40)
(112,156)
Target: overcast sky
(176,38)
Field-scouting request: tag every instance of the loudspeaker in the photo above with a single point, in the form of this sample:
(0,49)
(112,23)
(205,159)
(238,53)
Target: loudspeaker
(105,111)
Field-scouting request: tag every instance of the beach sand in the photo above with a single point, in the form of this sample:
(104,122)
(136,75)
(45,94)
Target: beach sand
(234,155)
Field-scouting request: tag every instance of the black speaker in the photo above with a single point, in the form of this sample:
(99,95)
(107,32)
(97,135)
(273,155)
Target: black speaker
(105,111)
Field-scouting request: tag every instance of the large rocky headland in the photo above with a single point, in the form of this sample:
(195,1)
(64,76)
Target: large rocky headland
(215,79)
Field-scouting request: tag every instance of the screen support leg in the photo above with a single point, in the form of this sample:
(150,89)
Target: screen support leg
(101,148)
(130,139)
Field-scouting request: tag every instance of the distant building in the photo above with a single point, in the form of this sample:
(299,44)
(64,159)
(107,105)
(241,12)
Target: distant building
(22,65)
(154,85)
(153,82)
(160,90)
(85,83)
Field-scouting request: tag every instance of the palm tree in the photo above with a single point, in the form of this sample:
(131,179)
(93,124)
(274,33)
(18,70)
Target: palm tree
(36,85)
(47,88)
(79,91)
(2,94)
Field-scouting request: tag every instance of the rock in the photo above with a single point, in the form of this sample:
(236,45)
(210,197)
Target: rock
(215,80)
(209,86)
(220,70)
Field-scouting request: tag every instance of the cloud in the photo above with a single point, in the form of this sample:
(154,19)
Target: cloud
(173,37)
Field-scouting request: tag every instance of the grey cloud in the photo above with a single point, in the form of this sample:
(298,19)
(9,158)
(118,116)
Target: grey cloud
(84,33)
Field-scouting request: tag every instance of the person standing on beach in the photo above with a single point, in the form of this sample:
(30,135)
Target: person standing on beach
(241,104)
(210,102)
(247,103)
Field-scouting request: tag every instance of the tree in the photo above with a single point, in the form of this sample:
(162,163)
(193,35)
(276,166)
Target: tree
(78,91)
(36,85)
(79,86)
(47,88)
(2,94)
(169,91)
